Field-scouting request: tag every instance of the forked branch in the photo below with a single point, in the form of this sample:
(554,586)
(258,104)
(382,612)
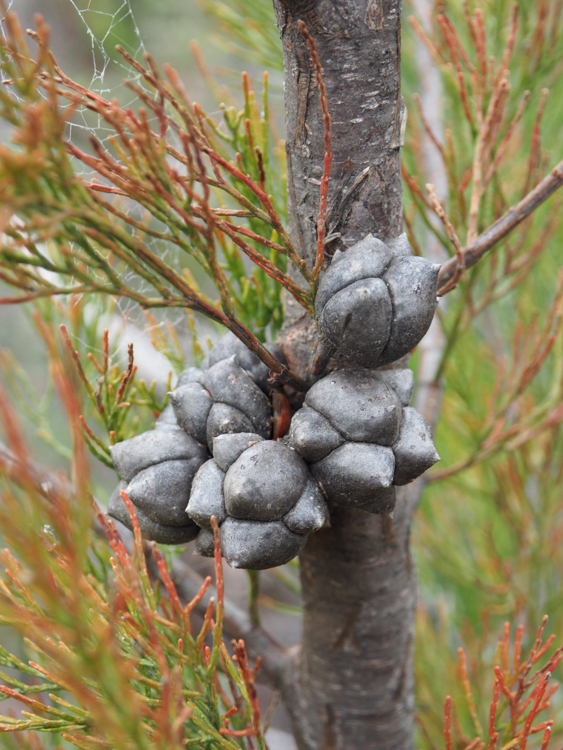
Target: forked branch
(471,254)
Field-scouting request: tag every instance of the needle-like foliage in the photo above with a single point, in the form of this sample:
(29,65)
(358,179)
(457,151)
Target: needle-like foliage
(177,209)
(199,189)
(116,660)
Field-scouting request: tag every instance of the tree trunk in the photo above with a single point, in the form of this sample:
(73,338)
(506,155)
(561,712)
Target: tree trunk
(359,597)
(354,672)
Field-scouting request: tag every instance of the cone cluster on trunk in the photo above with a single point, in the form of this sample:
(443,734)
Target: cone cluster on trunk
(353,440)
(157,469)
(263,497)
(360,437)
(376,301)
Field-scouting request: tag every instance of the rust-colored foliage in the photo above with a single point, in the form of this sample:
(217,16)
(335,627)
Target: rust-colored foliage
(115,661)
(168,159)
(521,692)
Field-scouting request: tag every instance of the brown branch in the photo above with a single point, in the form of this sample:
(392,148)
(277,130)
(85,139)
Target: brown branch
(502,226)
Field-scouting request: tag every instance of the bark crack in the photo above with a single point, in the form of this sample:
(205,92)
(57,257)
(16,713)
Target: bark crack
(347,633)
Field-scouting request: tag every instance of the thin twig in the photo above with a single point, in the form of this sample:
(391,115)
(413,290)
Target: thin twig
(502,226)
(452,236)
(321,221)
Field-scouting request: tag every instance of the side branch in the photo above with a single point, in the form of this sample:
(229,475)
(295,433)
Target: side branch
(501,227)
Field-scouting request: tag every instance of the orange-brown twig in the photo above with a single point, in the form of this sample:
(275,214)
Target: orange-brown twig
(323,203)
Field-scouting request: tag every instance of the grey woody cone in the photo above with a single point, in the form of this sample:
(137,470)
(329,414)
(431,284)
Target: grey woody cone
(224,399)
(376,301)
(157,469)
(414,449)
(228,394)
(155,532)
(360,438)
(264,498)
(230,346)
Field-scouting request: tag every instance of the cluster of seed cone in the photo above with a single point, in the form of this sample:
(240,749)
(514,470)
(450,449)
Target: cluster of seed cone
(354,439)
(210,454)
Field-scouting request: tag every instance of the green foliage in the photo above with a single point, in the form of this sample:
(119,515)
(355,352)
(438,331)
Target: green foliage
(247,30)
(189,191)
(113,657)
(117,404)
(488,532)
(485,534)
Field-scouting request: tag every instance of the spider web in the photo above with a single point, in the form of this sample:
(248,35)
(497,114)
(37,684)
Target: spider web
(108,69)
(101,30)
(99,45)
(109,72)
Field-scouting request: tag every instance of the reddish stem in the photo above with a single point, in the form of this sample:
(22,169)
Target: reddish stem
(448,723)
(323,203)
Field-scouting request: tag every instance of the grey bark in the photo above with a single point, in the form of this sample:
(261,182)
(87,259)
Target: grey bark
(358,43)
(359,597)
(353,683)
